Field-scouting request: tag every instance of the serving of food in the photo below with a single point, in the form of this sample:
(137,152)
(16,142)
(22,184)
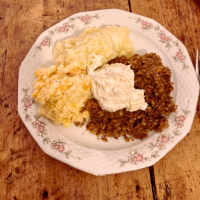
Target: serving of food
(62,89)
(97,79)
(107,91)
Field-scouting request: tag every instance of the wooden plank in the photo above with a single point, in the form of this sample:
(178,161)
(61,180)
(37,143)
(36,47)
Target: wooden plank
(26,172)
(136,184)
(135,196)
(131,196)
(149,9)
(177,174)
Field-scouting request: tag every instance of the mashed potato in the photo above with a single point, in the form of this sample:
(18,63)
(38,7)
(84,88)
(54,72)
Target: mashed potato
(61,96)
(62,89)
(109,42)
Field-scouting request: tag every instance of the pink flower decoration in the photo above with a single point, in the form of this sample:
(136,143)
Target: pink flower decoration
(47,39)
(131,159)
(54,145)
(162,36)
(66,25)
(179,54)
(60,148)
(164,139)
(167,39)
(36,123)
(160,145)
(149,26)
(139,158)
(41,128)
(83,18)
(88,18)
(62,29)
(27,104)
(27,98)
(181,118)
(181,59)
(179,124)
(144,23)
(44,43)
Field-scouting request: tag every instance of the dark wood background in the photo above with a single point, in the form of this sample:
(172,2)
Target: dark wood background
(26,172)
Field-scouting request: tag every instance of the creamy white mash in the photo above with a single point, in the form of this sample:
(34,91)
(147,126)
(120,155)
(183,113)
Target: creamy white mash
(109,42)
(62,89)
(113,88)
(61,96)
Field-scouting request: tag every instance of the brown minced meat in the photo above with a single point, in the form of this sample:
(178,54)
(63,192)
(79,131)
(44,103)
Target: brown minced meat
(154,78)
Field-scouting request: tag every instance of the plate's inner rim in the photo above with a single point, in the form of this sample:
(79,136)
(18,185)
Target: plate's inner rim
(64,20)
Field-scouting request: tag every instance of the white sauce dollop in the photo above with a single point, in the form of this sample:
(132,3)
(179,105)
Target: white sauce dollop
(113,87)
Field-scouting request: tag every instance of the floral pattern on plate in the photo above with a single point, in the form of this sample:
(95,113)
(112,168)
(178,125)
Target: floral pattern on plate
(128,157)
(160,143)
(40,126)
(64,28)
(165,40)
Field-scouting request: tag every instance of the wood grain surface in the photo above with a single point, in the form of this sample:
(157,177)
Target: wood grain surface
(26,172)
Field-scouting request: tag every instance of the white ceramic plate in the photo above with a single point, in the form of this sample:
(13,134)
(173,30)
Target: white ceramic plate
(85,152)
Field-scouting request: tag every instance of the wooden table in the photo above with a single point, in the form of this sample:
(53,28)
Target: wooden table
(26,172)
